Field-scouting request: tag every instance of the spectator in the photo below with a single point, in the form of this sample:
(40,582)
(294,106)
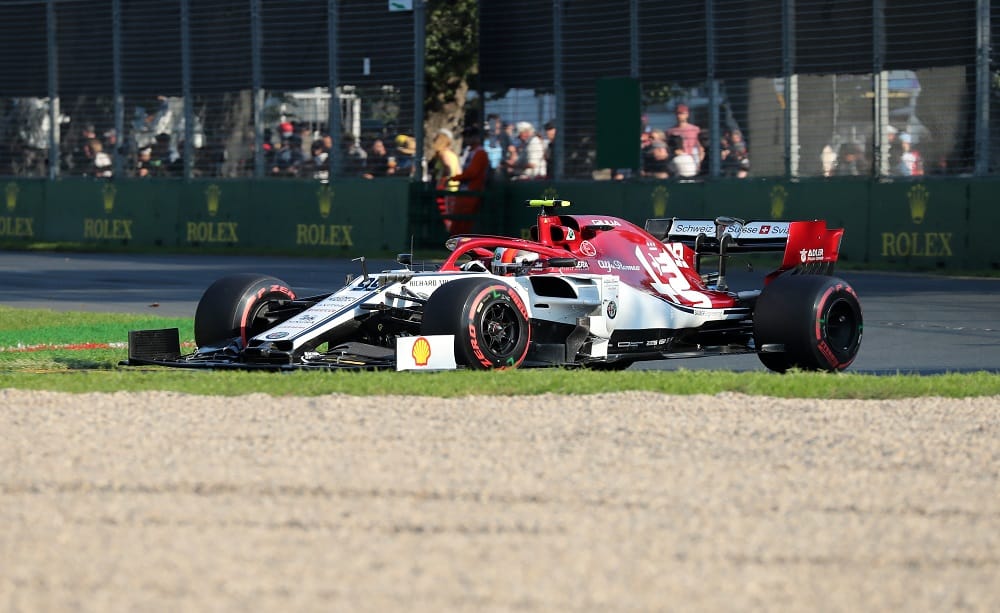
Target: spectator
(849,160)
(704,148)
(910,163)
(737,145)
(288,158)
(144,166)
(550,150)
(444,162)
(645,140)
(530,153)
(893,147)
(828,160)
(657,164)
(306,135)
(688,132)
(355,157)
(81,157)
(163,156)
(649,164)
(743,171)
(472,178)
(683,165)
(378,160)
(444,165)
(495,143)
(477,165)
(102,166)
(318,164)
(735,159)
(406,149)
(510,150)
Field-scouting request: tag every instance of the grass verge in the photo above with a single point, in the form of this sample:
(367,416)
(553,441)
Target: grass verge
(33,356)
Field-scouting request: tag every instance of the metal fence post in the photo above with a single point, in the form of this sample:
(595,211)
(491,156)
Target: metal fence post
(559,88)
(880,78)
(257,93)
(791,119)
(116,85)
(53,87)
(419,43)
(983,84)
(634,47)
(714,129)
(333,76)
(187,152)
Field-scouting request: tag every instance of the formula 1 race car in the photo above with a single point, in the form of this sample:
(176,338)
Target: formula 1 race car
(585,290)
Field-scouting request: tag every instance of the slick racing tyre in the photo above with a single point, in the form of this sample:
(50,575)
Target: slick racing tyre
(238,306)
(488,318)
(813,322)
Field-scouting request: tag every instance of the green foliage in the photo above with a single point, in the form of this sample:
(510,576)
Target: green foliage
(452,52)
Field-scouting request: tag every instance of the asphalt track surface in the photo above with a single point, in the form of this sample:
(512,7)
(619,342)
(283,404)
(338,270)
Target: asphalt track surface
(914,323)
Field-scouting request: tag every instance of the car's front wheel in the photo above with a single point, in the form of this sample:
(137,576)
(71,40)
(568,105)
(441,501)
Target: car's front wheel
(487,317)
(238,306)
(810,322)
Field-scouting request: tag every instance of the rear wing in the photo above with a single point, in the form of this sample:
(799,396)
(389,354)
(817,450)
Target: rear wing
(808,245)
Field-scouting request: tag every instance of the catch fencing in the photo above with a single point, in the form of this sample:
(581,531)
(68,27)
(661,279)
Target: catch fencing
(785,89)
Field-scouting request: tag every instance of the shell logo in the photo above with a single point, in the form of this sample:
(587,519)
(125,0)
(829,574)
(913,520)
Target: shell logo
(421,351)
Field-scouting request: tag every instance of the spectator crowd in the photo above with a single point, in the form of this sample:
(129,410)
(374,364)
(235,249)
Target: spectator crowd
(682,151)
(511,151)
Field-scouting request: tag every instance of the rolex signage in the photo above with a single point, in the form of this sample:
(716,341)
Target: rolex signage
(212,230)
(327,232)
(919,240)
(108,226)
(12,224)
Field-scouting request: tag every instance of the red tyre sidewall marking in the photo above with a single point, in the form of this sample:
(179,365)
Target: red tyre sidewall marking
(274,289)
(478,302)
(821,343)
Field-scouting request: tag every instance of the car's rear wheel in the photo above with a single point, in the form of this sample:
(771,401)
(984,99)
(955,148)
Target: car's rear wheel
(238,306)
(487,317)
(810,322)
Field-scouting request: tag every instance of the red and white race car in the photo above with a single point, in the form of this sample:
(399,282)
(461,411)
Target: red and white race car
(585,290)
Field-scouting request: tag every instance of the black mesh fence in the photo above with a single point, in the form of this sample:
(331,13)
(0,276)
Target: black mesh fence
(227,88)
(796,88)
(689,89)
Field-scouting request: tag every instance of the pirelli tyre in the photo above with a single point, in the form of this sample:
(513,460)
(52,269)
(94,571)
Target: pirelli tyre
(487,317)
(811,322)
(238,306)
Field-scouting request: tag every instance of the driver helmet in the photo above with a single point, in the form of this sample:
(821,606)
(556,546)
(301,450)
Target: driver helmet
(509,255)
